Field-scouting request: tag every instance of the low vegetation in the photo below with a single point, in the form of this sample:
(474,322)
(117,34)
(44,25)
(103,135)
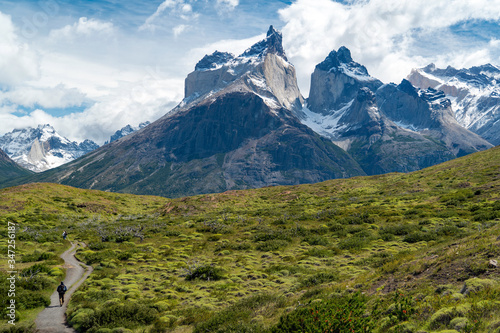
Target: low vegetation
(392,253)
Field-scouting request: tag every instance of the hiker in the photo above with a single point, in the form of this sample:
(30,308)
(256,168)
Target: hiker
(64,234)
(61,289)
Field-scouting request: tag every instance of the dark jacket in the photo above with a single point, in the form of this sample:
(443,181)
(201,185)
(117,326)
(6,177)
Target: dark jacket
(61,289)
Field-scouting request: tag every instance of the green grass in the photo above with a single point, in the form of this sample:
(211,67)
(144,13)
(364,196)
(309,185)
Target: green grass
(241,260)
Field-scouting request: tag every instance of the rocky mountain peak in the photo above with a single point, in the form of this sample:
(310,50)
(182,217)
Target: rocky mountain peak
(273,43)
(336,59)
(336,82)
(42,148)
(213,61)
(408,88)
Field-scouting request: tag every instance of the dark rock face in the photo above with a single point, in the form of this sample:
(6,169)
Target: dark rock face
(234,142)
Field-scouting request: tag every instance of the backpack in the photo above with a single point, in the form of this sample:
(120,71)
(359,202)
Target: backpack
(61,289)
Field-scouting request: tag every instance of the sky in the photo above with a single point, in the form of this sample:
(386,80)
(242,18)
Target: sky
(90,67)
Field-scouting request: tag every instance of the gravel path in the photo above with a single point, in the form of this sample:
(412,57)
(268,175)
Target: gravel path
(52,319)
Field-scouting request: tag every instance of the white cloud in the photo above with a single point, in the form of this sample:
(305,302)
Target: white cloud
(178,30)
(226,6)
(176,8)
(146,99)
(17,61)
(84,27)
(379,33)
(51,97)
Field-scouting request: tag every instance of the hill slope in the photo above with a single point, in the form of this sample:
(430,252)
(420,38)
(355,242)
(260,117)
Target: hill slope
(238,261)
(9,169)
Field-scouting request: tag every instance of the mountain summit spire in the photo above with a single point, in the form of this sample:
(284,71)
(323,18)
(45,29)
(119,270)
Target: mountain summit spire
(273,43)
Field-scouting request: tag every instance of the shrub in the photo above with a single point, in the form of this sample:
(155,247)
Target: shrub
(272,245)
(30,300)
(127,315)
(236,318)
(319,253)
(319,278)
(316,240)
(419,236)
(353,243)
(346,314)
(205,272)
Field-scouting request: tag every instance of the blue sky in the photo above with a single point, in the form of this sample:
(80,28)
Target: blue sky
(92,67)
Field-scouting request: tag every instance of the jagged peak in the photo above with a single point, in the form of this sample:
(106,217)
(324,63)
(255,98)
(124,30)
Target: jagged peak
(341,61)
(336,58)
(273,43)
(214,61)
(408,88)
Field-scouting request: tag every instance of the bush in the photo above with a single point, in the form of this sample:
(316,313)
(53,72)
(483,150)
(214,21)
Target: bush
(237,318)
(346,314)
(419,236)
(319,278)
(272,245)
(127,315)
(316,240)
(205,272)
(30,300)
(353,243)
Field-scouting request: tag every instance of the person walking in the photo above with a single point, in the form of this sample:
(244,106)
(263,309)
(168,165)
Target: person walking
(61,289)
(64,234)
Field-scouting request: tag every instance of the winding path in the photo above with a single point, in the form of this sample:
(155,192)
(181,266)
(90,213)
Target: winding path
(52,319)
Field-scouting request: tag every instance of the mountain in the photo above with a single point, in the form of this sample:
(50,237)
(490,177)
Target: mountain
(10,169)
(42,148)
(126,131)
(235,129)
(384,127)
(474,94)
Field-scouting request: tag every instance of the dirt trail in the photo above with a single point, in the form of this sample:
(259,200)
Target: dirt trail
(52,319)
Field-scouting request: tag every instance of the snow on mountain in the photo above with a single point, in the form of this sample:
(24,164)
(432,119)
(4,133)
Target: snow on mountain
(474,94)
(124,131)
(42,148)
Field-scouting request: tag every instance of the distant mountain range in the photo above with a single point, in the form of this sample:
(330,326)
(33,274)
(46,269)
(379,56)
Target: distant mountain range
(244,124)
(474,94)
(42,148)
(124,131)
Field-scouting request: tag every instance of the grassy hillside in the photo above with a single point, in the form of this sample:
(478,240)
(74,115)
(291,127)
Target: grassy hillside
(391,253)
